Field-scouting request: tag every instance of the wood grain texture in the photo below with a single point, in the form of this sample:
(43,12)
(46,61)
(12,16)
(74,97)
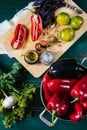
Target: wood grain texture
(38,69)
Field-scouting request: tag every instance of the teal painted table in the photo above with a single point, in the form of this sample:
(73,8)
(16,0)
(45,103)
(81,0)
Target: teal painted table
(78,51)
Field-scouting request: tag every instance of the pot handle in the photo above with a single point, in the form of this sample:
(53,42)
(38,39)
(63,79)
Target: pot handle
(84,59)
(45,120)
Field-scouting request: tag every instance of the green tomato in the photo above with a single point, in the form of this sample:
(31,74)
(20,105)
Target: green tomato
(76,22)
(63,18)
(67,34)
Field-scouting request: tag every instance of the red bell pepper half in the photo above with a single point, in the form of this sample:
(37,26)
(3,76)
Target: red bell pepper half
(77,113)
(47,93)
(36,26)
(79,91)
(58,105)
(61,85)
(20,34)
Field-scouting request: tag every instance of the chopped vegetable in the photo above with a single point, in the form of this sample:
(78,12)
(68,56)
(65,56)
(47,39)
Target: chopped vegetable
(36,27)
(20,34)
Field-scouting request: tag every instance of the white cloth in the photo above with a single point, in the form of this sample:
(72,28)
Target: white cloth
(6,25)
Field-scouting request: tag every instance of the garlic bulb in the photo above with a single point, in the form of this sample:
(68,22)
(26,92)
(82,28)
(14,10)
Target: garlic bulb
(8,102)
(47,57)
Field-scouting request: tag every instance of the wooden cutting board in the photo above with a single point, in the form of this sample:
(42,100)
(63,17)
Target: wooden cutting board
(38,69)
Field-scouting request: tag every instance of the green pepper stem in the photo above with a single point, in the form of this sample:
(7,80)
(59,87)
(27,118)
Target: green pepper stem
(53,116)
(74,100)
(29,10)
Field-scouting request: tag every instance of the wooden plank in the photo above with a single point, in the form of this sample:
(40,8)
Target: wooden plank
(38,69)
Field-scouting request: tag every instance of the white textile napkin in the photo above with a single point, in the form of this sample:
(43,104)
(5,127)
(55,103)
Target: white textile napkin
(7,24)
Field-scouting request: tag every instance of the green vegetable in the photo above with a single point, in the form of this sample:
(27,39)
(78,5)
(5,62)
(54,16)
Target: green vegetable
(22,107)
(67,34)
(76,22)
(63,18)
(13,84)
(10,80)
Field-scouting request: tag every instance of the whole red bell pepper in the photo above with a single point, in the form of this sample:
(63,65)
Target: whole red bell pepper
(61,85)
(47,93)
(58,105)
(77,113)
(36,26)
(84,104)
(20,34)
(79,91)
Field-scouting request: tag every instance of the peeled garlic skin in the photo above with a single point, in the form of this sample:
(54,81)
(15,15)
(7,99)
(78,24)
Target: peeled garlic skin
(8,102)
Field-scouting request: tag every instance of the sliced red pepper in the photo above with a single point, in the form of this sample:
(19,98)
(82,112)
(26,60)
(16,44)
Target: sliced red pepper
(77,113)
(36,27)
(20,34)
(61,85)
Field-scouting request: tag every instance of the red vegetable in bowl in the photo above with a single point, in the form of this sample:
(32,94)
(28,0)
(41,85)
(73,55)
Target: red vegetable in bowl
(84,103)
(64,89)
(61,85)
(58,104)
(47,93)
(19,36)
(77,112)
(64,68)
(79,91)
